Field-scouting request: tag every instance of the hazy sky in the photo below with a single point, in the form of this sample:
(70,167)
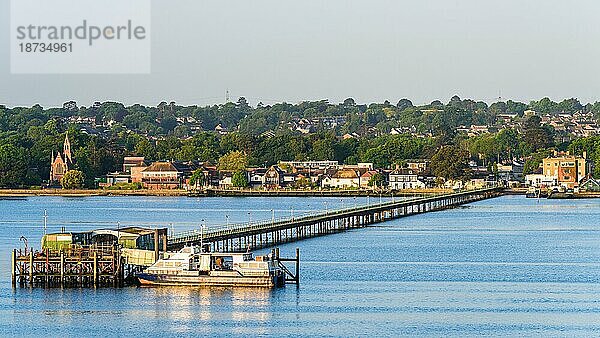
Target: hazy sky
(371,50)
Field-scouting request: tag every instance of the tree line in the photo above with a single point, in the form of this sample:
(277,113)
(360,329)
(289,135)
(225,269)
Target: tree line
(29,136)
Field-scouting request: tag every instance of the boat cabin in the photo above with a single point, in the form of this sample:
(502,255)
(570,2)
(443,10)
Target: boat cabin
(191,259)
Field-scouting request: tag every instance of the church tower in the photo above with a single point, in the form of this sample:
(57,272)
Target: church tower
(60,164)
(67,149)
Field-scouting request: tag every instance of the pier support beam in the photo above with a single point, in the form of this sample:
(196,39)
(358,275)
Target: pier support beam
(31,267)
(13,265)
(62,268)
(95,269)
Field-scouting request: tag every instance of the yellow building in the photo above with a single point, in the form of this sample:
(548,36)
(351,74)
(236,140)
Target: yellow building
(567,169)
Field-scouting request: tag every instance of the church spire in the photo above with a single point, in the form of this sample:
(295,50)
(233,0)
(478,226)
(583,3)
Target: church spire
(67,149)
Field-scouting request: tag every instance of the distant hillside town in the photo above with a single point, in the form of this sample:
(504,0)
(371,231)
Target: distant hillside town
(309,145)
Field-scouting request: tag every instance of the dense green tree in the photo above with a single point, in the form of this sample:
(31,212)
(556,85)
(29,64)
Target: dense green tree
(451,162)
(239,179)
(72,179)
(197,179)
(536,136)
(377,180)
(233,161)
(544,106)
(323,149)
(533,161)
(13,166)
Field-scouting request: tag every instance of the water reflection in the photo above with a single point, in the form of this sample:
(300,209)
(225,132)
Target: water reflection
(503,267)
(210,305)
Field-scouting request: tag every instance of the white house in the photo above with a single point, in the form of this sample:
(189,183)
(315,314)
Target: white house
(343,178)
(404,178)
(540,180)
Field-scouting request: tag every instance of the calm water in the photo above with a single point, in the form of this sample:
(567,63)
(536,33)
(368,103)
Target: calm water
(508,266)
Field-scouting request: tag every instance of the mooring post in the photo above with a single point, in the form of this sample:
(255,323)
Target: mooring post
(156,252)
(31,267)
(14,267)
(62,268)
(297,266)
(47,252)
(95,268)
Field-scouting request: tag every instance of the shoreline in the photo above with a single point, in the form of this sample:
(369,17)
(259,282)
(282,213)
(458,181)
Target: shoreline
(215,193)
(16,193)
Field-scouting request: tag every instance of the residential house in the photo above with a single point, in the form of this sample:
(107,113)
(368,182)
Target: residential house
(113,178)
(221,130)
(131,162)
(419,165)
(225,180)
(342,179)
(163,175)
(365,179)
(306,166)
(405,178)
(589,184)
(511,175)
(276,178)
(256,177)
(350,135)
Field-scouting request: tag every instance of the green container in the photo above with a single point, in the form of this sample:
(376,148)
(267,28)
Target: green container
(56,242)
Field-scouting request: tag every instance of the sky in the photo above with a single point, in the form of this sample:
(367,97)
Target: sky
(371,50)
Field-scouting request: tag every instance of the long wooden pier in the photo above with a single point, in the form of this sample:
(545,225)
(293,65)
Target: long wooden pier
(273,232)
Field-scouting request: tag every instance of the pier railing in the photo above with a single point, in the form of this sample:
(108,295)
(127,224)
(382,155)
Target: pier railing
(222,232)
(311,215)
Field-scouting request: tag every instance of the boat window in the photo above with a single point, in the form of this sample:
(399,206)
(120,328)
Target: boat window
(222,263)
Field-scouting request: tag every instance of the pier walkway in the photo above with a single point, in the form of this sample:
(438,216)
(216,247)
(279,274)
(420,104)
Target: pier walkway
(240,237)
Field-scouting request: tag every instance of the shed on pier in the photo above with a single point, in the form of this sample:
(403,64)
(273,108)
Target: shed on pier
(130,237)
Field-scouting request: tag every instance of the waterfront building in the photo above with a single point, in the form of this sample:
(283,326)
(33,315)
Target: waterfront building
(308,165)
(567,169)
(419,165)
(366,178)
(225,180)
(114,178)
(276,178)
(342,179)
(540,181)
(511,175)
(589,184)
(130,162)
(256,177)
(406,178)
(61,163)
(165,175)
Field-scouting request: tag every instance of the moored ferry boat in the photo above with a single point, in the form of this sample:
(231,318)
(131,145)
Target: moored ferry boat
(192,267)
